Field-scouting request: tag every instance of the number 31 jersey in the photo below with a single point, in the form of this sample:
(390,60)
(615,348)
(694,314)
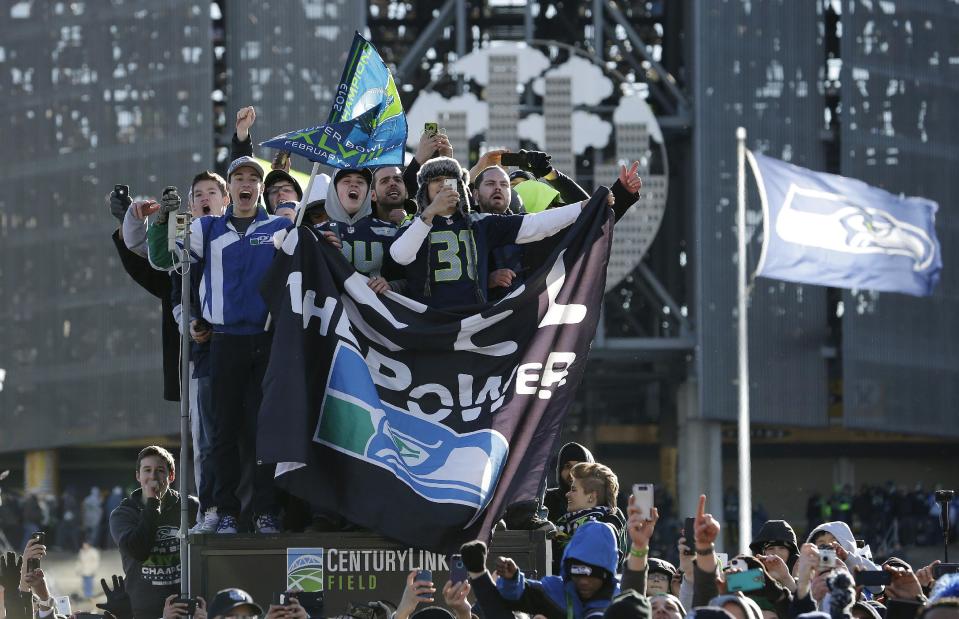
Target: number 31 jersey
(458,255)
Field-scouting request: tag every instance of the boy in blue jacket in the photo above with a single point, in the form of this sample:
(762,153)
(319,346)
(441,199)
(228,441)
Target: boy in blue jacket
(585,587)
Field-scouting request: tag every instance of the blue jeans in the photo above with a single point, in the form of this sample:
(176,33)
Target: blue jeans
(201,423)
(87,586)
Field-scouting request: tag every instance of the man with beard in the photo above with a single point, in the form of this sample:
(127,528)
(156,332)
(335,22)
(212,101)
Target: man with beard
(389,194)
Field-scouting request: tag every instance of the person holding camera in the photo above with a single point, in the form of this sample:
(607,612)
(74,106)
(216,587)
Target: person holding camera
(145,527)
(154,282)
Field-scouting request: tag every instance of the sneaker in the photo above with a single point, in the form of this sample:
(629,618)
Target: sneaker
(207,524)
(227,524)
(321,523)
(267,523)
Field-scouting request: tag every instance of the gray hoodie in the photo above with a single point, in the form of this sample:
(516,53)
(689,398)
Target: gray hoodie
(334,208)
(840,530)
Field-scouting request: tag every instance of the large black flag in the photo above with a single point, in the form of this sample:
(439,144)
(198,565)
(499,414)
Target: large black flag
(418,423)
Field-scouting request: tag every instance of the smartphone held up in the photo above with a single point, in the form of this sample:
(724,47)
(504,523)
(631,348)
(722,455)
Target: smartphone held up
(643,499)
(40,538)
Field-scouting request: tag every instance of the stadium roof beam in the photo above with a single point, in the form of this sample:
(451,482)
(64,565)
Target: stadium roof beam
(426,40)
(664,297)
(665,78)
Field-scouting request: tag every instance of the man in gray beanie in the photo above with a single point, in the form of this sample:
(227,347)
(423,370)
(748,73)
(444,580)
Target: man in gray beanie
(451,269)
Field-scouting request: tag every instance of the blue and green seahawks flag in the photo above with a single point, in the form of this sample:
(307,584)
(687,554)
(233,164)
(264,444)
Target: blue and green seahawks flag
(366,126)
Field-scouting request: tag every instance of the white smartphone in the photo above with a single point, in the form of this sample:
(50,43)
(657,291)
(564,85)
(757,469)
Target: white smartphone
(643,499)
(722,558)
(62,604)
(451,183)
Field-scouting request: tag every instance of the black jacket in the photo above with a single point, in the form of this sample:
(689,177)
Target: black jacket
(146,534)
(776,531)
(555,500)
(158,284)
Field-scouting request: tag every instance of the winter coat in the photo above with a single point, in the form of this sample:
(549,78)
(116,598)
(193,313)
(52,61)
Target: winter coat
(555,500)
(594,543)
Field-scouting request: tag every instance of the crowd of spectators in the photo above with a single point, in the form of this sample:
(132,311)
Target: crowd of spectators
(69,519)
(606,568)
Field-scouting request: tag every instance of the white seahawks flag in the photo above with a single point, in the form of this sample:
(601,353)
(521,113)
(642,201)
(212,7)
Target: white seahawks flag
(834,231)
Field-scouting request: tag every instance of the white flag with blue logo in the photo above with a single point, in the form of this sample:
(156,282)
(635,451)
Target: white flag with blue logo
(834,231)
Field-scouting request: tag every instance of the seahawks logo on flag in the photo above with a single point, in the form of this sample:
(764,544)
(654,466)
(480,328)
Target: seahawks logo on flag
(831,230)
(433,460)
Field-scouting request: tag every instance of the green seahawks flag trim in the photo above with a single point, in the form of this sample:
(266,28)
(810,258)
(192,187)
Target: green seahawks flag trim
(366,126)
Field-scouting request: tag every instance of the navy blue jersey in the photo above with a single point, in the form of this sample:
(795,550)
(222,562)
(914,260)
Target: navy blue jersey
(507,257)
(457,258)
(366,244)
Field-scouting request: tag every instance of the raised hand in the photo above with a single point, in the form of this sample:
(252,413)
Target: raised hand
(432,144)
(10,566)
(904,585)
(630,179)
(244,120)
(706,527)
(144,208)
(537,163)
(119,204)
(455,598)
(777,568)
(805,567)
(118,601)
(506,567)
(416,591)
(925,575)
(443,204)
(169,203)
(639,527)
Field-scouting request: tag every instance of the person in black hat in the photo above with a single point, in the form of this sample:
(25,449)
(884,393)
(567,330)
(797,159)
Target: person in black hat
(233,603)
(282,193)
(660,575)
(629,605)
(316,212)
(776,537)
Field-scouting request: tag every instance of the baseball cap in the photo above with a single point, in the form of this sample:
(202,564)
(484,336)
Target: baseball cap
(227,600)
(240,162)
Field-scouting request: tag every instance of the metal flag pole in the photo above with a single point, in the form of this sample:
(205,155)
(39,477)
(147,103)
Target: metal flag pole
(185,343)
(745,477)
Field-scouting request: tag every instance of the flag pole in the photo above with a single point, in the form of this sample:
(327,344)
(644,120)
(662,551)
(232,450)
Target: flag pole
(745,479)
(185,434)
(306,194)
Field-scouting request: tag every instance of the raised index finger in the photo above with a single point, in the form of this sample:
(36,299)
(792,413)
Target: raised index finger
(633,168)
(701,508)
